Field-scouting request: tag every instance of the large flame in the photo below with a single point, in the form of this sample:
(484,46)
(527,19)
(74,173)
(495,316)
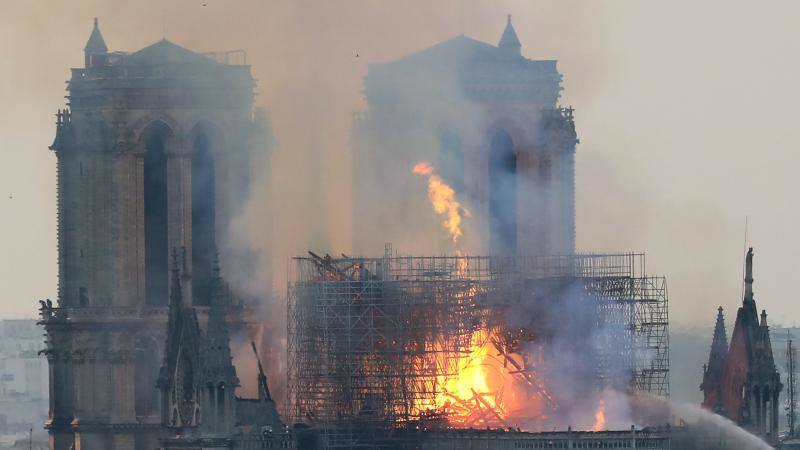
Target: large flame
(600,417)
(479,381)
(485,386)
(443,198)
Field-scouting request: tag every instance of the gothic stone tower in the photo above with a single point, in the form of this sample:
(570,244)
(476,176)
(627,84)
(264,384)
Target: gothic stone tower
(741,382)
(153,155)
(488,119)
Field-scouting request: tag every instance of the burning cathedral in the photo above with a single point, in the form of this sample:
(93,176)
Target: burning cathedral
(389,351)
(400,351)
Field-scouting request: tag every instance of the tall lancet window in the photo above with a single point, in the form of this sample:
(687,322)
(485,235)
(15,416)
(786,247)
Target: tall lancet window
(502,195)
(203,191)
(156,251)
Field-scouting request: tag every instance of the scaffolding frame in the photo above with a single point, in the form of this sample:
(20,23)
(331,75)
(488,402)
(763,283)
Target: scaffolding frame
(368,338)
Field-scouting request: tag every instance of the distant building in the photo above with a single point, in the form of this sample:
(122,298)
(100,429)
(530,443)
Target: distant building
(741,381)
(23,377)
(489,120)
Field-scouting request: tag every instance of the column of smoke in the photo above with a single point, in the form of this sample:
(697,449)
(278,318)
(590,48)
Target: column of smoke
(300,197)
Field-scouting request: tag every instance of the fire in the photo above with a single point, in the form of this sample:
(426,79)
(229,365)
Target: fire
(486,387)
(472,377)
(478,379)
(443,199)
(462,264)
(600,417)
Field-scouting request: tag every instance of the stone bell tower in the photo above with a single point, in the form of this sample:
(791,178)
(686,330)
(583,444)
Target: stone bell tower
(489,120)
(153,154)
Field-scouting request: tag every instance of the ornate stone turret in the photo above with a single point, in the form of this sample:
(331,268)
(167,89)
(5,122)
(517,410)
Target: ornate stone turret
(509,40)
(95,51)
(180,408)
(197,379)
(219,372)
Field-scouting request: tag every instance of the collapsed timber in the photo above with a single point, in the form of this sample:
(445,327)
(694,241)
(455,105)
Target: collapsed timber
(382,347)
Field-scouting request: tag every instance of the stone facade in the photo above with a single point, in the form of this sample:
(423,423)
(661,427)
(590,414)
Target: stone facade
(488,119)
(152,155)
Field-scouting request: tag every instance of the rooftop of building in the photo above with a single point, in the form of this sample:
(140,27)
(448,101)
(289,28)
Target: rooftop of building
(465,50)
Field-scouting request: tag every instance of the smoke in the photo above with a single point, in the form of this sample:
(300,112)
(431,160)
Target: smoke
(616,58)
(310,76)
(698,428)
(691,427)
(318,185)
(586,353)
(587,368)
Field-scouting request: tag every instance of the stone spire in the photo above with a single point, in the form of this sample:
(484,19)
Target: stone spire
(174,324)
(217,360)
(509,40)
(218,350)
(175,292)
(95,50)
(714,371)
(719,346)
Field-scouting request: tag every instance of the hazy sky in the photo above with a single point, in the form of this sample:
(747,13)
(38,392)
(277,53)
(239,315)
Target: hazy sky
(686,114)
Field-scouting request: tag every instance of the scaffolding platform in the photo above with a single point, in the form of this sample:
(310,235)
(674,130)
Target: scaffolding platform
(371,341)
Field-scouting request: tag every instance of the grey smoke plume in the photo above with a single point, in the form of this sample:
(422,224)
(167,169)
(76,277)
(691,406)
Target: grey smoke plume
(305,195)
(586,354)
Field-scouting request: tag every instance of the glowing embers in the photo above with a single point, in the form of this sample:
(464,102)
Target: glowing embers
(443,199)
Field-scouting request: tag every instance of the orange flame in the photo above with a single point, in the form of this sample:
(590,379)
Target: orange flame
(480,382)
(443,200)
(600,417)
(471,379)
(484,386)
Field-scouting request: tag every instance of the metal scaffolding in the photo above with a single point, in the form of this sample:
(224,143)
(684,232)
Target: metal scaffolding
(371,339)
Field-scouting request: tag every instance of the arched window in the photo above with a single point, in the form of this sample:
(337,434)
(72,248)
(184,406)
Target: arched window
(156,252)
(502,195)
(203,209)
